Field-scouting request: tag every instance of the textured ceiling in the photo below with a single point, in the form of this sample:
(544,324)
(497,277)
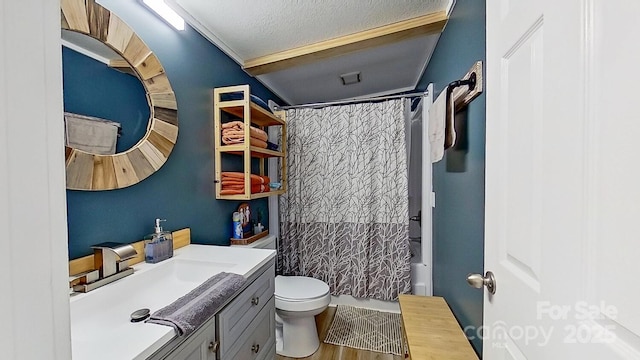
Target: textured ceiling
(253,28)
(246,29)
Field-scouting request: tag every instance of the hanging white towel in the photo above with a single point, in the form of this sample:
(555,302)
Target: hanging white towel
(437,118)
(91,134)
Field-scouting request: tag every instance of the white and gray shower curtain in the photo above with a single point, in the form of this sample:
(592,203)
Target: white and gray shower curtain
(344,219)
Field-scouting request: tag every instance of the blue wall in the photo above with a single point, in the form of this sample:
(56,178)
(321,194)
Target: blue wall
(182,190)
(458,219)
(93,88)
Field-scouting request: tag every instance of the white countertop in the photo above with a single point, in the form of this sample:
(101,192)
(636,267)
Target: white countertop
(100,326)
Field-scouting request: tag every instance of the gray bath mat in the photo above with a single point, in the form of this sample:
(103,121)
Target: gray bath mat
(366,330)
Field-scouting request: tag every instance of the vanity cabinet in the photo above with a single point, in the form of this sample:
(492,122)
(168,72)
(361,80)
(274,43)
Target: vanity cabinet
(243,329)
(202,345)
(236,103)
(246,326)
(257,342)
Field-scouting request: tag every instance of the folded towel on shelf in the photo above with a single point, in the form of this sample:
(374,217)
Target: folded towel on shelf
(231,137)
(233,183)
(190,311)
(254,187)
(239,189)
(228,183)
(272,146)
(254,132)
(255,180)
(238,176)
(258,143)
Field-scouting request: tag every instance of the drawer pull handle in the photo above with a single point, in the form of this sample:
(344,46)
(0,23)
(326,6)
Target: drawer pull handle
(255,348)
(213,346)
(255,300)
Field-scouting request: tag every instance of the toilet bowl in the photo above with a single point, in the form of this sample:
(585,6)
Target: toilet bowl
(298,300)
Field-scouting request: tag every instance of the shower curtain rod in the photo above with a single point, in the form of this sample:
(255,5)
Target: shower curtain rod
(350,101)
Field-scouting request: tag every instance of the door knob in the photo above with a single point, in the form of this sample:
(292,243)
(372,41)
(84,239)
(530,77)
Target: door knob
(478,281)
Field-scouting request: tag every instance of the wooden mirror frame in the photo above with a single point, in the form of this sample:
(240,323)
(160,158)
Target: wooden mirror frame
(86,171)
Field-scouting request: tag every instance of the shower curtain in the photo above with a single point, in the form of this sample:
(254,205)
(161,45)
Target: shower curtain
(344,218)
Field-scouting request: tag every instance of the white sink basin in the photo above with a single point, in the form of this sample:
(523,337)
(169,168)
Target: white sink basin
(100,319)
(152,287)
(177,271)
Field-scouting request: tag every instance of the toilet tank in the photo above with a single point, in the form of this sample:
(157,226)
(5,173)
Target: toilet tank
(268,242)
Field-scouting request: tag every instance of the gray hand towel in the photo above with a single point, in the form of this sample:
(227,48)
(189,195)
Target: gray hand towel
(190,311)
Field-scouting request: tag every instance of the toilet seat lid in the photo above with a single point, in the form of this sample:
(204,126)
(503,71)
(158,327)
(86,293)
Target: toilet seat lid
(299,288)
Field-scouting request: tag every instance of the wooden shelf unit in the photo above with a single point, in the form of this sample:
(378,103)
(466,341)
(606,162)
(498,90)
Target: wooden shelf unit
(251,114)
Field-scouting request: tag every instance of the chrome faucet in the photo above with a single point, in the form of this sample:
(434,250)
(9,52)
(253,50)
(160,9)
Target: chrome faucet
(111,260)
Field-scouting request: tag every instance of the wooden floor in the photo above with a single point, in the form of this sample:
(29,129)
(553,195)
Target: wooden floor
(331,352)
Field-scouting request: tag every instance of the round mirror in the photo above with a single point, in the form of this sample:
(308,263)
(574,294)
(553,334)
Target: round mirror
(134,157)
(105,103)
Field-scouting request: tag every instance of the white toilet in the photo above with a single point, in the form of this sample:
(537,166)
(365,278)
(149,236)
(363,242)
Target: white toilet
(298,300)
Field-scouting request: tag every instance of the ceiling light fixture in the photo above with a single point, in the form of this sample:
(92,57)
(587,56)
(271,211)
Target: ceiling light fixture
(350,78)
(168,14)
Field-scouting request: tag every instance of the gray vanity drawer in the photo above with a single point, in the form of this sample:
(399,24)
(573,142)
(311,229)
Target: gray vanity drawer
(237,315)
(198,346)
(258,340)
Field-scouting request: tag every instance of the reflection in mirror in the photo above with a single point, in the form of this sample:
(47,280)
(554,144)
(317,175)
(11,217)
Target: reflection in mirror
(105,93)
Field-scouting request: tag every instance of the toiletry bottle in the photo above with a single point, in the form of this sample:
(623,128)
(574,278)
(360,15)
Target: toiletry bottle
(237,225)
(159,245)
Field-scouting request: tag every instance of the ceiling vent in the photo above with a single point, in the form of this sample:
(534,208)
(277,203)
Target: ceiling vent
(350,78)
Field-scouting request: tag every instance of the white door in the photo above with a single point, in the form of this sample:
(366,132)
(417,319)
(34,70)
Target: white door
(562,180)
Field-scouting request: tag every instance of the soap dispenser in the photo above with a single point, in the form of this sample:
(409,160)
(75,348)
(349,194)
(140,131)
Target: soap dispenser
(159,245)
